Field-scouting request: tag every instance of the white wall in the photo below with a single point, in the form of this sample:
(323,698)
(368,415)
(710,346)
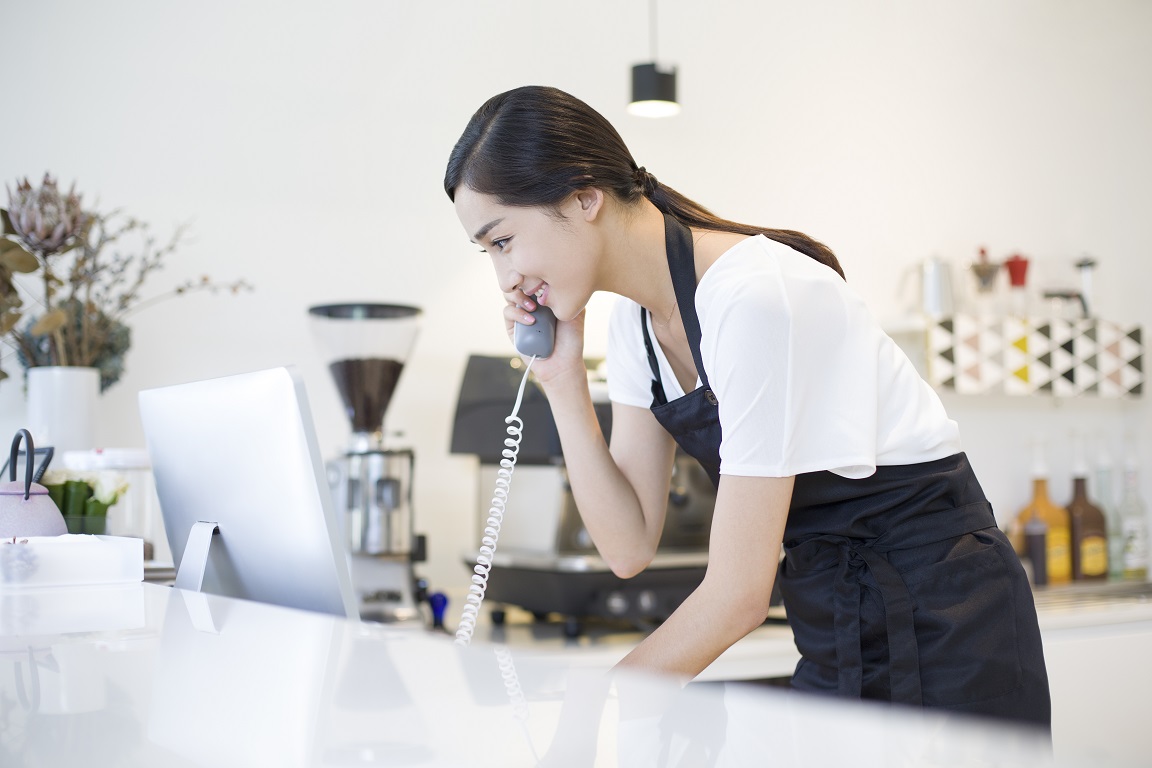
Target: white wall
(306,142)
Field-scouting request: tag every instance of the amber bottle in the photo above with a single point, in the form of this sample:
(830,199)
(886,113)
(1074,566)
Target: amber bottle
(1089,529)
(1089,535)
(1058,534)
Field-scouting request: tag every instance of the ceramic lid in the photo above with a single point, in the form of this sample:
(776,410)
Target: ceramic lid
(16,488)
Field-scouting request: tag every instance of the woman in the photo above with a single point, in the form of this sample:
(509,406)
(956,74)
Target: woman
(745,346)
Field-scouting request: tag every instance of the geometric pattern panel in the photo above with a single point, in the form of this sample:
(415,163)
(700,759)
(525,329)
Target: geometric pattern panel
(975,354)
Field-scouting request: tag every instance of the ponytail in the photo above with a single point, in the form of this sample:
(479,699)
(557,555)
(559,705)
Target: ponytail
(536,146)
(691,214)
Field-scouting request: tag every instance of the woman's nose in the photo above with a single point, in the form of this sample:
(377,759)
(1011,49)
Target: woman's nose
(508,278)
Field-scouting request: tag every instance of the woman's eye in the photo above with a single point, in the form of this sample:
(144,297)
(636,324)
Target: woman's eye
(499,244)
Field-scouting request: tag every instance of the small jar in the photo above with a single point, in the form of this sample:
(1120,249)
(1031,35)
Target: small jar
(1017,266)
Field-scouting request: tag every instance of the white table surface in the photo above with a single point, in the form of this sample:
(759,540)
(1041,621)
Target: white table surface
(147,675)
(769,652)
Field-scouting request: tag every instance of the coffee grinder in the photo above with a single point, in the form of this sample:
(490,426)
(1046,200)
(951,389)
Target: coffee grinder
(366,346)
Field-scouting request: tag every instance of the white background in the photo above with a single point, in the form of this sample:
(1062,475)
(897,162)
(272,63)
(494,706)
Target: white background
(306,143)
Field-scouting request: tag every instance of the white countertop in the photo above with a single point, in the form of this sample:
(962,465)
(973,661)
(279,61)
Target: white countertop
(769,651)
(147,675)
(1097,640)
(1092,605)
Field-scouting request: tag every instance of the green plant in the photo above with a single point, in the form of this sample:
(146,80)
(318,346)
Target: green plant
(79,494)
(91,268)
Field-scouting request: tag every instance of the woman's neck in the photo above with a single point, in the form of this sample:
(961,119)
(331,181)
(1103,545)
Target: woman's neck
(637,263)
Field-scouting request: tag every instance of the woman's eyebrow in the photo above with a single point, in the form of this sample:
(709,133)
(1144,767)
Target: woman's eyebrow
(485,229)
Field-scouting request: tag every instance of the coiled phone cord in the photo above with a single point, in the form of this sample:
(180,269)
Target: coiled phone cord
(515,694)
(483,567)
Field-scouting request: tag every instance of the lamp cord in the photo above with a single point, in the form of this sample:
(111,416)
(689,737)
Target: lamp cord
(652,28)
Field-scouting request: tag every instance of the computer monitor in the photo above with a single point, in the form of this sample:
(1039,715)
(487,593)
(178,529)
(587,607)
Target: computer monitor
(237,456)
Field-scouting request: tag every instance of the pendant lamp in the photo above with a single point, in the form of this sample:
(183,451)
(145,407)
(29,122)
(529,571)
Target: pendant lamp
(653,89)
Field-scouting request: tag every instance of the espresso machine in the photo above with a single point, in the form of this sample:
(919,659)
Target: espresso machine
(545,561)
(366,346)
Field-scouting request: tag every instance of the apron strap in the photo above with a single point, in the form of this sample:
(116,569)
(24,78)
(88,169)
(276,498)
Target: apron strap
(658,395)
(682,267)
(903,655)
(677,245)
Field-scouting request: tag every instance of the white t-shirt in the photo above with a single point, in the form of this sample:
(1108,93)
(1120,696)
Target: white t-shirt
(805,377)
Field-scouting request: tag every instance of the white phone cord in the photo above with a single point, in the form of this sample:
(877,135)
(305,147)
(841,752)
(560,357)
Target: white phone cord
(499,501)
(515,693)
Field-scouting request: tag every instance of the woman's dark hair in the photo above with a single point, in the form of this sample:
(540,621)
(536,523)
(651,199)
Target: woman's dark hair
(536,146)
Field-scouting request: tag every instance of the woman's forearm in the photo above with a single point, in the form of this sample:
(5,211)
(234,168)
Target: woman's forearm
(743,555)
(609,505)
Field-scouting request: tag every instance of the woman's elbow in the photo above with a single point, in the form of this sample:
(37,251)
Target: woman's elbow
(747,602)
(753,614)
(625,565)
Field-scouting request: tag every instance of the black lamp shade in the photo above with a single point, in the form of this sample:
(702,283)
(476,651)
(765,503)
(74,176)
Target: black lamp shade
(653,91)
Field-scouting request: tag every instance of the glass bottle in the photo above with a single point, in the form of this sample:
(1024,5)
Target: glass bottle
(1089,533)
(1035,532)
(1102,491)
(1134,526)
(1057,540)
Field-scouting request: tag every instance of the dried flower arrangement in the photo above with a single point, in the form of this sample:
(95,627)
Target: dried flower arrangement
(88,287)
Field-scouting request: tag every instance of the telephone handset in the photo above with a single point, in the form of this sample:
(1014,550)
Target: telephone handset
(536,340)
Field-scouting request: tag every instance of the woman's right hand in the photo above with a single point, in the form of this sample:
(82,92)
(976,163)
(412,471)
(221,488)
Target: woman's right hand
(567,359)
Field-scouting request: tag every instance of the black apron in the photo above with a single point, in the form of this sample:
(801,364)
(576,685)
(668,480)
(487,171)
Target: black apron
(898,586)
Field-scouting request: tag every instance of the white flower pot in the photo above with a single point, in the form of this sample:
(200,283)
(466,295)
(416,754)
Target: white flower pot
(62,407)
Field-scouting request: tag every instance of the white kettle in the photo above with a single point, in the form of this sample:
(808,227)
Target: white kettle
(26,509)
(935,279)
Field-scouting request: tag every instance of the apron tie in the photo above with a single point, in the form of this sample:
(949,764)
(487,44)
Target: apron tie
(856,559)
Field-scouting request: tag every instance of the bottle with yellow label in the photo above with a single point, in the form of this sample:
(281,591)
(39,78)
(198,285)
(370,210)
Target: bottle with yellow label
(1058,538)
(1089,531)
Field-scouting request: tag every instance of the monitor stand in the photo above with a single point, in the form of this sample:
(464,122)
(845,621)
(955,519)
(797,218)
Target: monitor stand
(194,561)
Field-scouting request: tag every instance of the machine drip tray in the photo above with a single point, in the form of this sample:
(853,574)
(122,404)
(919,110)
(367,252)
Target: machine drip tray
(582,586)
(590,563)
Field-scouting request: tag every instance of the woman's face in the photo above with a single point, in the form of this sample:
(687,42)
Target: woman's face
(533,249)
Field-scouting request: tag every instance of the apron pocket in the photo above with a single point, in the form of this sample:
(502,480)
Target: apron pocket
(808,604)
(965,618)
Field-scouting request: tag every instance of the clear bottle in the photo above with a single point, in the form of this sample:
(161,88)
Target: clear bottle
(1041,509)
(1089,533)
(1134,525)
(1103,492)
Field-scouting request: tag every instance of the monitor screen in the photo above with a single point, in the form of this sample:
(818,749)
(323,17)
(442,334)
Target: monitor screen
(240,452)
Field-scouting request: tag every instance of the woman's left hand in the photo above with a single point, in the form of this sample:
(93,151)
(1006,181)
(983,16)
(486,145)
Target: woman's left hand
(567,358)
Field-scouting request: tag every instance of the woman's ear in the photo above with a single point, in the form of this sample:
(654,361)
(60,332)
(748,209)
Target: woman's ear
(591,202)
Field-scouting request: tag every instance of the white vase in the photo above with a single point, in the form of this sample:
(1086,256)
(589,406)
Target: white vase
(62,407)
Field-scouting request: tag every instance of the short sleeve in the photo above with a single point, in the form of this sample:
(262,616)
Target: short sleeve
(795,378)
(629,377)
(805,377)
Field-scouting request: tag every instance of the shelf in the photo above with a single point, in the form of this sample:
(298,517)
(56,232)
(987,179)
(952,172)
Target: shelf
(973,354)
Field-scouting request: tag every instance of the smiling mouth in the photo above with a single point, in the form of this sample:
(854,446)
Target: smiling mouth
(540,293)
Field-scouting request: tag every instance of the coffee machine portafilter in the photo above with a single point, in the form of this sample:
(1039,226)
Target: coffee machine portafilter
(366,346)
